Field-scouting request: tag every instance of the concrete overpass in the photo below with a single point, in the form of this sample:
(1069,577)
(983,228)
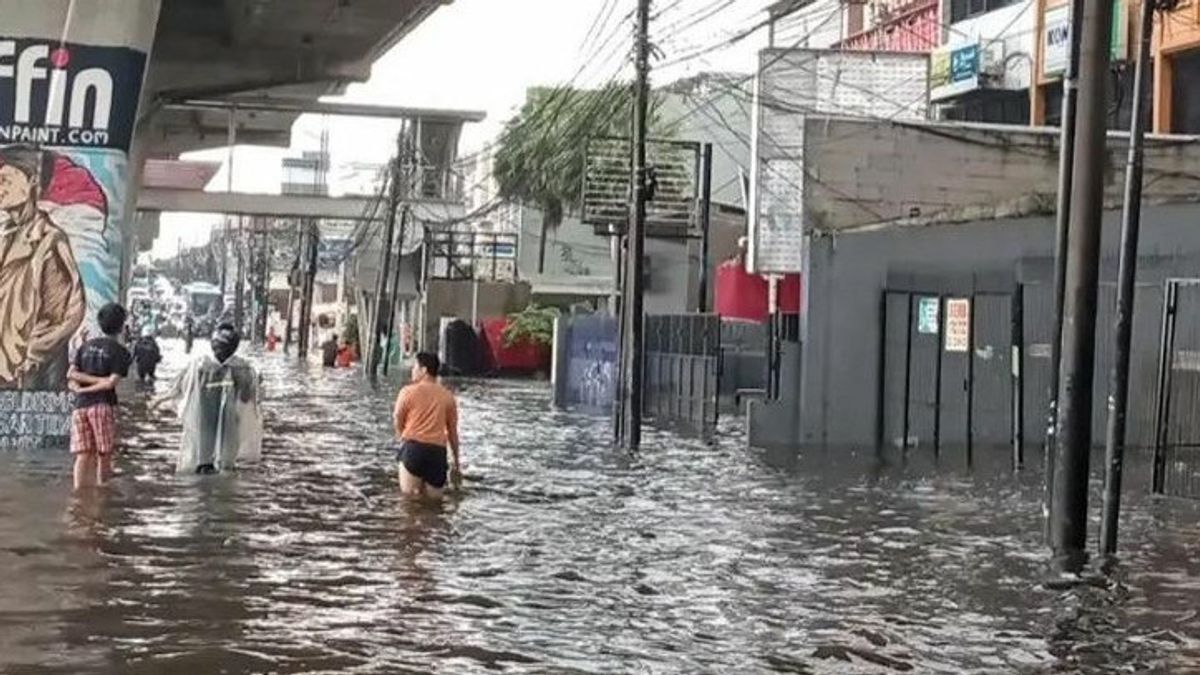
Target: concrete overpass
(295,49)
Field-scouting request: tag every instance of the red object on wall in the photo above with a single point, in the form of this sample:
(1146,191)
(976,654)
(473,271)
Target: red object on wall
(524,357)
(742,295)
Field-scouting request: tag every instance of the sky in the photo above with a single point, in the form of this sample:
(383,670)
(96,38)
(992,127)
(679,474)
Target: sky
(483,55)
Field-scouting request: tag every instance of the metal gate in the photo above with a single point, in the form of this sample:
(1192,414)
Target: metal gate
(1177,438)
(683,364)
(588,376)
(947,376)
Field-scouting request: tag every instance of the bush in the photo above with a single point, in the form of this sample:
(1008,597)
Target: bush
(533,324)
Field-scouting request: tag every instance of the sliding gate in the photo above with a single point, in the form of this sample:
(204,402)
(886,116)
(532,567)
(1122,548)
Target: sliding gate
(947,376)
(682,371)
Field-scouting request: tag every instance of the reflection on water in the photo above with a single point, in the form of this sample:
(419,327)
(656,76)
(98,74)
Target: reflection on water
(563,556)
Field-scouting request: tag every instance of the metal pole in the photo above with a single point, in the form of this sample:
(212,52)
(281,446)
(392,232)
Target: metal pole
(1068,518)
(1131,222)
(637,232)
(702,304)
(1062,226)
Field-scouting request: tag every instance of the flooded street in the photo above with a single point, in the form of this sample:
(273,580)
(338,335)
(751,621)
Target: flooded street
(562,556)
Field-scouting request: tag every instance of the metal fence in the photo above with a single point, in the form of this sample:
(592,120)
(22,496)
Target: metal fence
(743,357)
(1177,441)
(683,366)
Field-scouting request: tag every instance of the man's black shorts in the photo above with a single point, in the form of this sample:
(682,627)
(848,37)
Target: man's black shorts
(425,461)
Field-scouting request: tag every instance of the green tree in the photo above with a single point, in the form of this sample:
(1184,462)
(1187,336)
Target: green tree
(540,156)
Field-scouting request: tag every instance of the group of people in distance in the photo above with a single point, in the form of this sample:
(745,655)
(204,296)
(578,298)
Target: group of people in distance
(217,397)
(335,354)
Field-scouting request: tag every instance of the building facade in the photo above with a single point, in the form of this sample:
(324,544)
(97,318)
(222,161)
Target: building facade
(1177,70)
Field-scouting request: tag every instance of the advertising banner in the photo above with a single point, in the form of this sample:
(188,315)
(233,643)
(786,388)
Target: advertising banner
(70,84)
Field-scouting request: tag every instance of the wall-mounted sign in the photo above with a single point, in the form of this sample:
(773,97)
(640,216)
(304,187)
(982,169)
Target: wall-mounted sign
(953,72)
(958,325)
(1056,37)
(927,315)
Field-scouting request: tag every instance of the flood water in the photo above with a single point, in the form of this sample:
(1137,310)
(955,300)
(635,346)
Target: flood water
(562,556)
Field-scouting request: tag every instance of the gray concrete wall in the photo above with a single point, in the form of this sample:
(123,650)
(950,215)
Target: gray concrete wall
(455,299)
(849,272)
(864,171)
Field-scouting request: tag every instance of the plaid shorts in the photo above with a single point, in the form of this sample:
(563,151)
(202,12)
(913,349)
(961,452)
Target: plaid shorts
(94,430)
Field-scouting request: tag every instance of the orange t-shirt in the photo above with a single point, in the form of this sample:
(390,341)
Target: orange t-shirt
(425,412)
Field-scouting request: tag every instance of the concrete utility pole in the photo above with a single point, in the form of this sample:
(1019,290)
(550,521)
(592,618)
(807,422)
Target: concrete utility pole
(385,259)
(1068,517)
(1066,157)
(313,240)
(1131,223)
(633,291)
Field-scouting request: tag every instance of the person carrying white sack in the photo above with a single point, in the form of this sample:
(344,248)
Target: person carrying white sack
(217,400)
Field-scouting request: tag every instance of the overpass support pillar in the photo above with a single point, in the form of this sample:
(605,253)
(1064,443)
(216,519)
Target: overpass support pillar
(71,76)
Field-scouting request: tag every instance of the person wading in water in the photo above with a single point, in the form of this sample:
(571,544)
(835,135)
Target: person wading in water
(426,418)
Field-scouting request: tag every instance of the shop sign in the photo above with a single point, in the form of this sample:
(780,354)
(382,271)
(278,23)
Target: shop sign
(954,72)
(1056,38)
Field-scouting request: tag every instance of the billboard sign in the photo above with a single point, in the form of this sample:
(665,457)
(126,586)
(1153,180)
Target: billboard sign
(791,85)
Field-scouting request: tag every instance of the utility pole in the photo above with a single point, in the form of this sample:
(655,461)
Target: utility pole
(702,304)
(231,140)
(1068,517)
(634,364)
(239,278)
(313,241)
(1131,223)
(1066,156)
(293,278)
(394,305)
(385,256)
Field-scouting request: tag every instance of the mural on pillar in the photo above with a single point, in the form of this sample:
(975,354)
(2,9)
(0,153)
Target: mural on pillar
(66,118)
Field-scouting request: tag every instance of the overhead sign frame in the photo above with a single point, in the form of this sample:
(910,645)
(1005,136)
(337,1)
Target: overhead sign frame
(672,212)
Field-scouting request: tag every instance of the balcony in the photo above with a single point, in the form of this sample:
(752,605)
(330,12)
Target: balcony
(912,27)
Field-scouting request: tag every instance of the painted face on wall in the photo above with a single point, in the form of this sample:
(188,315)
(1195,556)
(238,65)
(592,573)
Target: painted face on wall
(14,187)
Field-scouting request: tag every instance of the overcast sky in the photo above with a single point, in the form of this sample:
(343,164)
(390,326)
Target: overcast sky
(482,55)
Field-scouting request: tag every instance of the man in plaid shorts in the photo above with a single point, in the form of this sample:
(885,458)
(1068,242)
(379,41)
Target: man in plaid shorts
(99,364)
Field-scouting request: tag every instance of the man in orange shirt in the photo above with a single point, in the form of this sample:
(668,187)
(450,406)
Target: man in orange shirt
(426,419)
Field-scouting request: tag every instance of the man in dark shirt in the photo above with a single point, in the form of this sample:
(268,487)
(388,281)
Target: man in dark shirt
(329,351)
(99,364)
(147,355)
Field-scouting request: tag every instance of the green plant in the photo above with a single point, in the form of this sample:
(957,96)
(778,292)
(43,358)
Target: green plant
(533,324)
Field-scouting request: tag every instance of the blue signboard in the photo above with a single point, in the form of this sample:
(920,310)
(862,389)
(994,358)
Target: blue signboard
(964,63)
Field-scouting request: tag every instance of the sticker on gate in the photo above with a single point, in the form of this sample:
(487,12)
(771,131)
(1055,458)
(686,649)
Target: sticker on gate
(958,325)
